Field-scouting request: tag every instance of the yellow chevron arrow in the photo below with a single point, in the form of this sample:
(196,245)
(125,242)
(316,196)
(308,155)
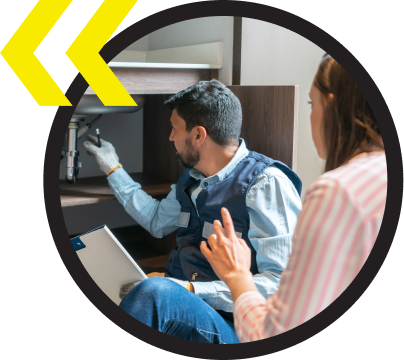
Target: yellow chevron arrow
(19,52)
(84,53)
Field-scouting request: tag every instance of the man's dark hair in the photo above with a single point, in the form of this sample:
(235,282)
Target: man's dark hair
(212,105)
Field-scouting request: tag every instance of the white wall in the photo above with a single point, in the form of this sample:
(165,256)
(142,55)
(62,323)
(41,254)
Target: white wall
(272,55)
(140,45)
(199,31)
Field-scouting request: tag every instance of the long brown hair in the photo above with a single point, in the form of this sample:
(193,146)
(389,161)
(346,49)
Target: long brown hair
(349,126)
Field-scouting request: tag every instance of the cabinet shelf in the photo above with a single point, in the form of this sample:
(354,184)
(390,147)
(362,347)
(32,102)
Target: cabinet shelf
(147,80)
(94,190)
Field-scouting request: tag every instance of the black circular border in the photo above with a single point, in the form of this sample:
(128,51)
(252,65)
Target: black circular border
(355,289)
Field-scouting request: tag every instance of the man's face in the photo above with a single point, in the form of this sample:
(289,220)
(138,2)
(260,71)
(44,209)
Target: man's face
(188,156)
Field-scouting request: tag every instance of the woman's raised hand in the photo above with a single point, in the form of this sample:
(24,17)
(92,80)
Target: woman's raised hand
(229,256)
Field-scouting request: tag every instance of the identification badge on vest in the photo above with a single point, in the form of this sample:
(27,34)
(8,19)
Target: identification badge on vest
(208,230)
(183,219)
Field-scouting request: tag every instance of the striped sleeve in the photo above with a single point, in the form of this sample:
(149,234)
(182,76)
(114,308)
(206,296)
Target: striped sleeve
(333,238)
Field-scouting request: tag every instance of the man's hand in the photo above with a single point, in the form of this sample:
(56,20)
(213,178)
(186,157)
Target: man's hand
(125,289)
(230,257)
(105,155)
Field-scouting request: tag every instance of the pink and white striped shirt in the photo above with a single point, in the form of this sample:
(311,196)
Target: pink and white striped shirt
(336,230)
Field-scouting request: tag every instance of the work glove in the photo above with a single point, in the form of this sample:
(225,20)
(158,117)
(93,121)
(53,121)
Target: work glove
(105,155)
(125,289)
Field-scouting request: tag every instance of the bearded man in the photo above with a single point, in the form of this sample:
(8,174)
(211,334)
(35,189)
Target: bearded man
(262,195)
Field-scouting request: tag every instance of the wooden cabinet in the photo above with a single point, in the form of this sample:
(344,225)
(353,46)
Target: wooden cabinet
(269,127)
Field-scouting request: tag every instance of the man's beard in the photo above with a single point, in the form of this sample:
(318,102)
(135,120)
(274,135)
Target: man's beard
(189,157)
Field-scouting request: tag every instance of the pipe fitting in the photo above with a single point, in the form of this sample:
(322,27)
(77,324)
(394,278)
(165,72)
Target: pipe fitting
(72,155)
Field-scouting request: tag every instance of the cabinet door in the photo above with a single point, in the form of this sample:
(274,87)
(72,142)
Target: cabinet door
(270,120)
(159,157)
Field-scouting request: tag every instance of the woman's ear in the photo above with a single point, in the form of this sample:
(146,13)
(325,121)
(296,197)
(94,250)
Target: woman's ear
(330,97)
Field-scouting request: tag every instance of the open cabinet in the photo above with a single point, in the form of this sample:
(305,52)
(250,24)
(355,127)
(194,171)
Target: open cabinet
(269,127)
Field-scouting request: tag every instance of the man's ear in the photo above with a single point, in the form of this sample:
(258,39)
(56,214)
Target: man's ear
(200,135)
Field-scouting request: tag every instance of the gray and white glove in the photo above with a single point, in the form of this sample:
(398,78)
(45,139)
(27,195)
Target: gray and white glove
(105,155)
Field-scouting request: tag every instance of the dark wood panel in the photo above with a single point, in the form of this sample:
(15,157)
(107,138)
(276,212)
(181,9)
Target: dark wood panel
(159,81)
(159,157)
(150,253)
(129,235)
(93,190)
(269,120)
(144,253)
(237,39)
(214,74)
(165,244)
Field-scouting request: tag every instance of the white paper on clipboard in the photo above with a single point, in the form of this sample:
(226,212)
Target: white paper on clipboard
(107,262)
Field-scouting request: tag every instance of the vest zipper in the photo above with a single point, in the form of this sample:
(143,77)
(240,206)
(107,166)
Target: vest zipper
(200,259)
(194,275)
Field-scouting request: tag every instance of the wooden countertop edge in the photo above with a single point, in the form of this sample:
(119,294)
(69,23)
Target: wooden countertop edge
(75,199)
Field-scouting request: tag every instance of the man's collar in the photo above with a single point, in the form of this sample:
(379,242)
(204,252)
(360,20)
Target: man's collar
(240,154)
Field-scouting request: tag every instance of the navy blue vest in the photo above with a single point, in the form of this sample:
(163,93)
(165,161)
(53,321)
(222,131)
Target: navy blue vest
(186,262)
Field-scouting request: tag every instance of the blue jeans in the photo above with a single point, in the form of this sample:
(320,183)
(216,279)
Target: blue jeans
(167,307)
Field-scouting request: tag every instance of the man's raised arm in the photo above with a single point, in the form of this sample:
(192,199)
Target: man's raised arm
(157,217)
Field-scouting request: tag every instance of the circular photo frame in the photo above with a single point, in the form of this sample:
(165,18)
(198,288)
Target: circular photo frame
(387,229)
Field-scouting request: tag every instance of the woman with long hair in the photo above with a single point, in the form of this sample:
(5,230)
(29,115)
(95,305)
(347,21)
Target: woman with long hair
(337,227)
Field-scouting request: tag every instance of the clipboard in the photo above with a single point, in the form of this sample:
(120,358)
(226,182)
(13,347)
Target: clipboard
(106,261)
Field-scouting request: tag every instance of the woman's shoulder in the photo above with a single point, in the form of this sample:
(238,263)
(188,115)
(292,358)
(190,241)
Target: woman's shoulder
(362,177)
(360,168)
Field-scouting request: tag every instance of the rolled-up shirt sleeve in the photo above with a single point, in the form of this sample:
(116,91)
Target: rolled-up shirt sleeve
(273,205)
(157,217)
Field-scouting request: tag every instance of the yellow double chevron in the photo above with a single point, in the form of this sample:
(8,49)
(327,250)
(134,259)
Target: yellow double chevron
(84,52)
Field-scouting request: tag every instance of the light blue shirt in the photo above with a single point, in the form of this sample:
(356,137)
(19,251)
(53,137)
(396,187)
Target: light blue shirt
(272,203)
